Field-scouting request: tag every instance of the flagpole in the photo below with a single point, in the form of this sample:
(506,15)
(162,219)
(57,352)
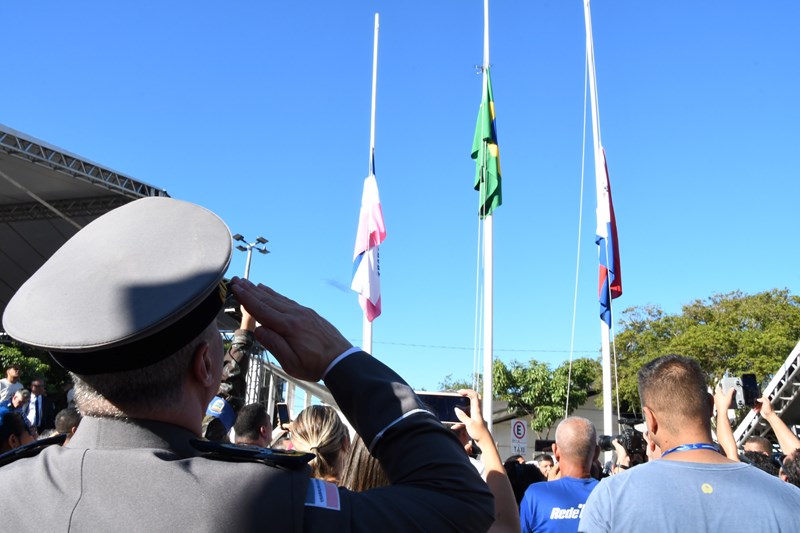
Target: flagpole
(599,166)
(367,325)
(488,264)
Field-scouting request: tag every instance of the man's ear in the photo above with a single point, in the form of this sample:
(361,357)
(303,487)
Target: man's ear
(201,364)
(650,420)
(556,452)
(13,441)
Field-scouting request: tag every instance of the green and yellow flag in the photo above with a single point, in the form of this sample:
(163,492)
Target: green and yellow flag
(486,155)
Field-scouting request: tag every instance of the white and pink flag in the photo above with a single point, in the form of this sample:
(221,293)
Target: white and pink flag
(366,263)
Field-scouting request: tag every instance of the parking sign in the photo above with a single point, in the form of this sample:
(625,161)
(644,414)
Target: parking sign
(519,437)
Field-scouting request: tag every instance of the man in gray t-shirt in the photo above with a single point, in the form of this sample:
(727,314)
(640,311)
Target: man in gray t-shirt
(692,487)
(11,383)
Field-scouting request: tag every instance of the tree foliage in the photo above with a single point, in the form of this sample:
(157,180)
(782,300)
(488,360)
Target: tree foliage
(733,332)
(450,384)
(33,363)
(536,390)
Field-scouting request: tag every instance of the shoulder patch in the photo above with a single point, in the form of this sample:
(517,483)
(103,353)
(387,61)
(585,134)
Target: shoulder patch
(322,494)
(223,451)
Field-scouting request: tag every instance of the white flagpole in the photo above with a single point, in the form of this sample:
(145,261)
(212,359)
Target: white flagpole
(367,325)
(488,268)
(600,178)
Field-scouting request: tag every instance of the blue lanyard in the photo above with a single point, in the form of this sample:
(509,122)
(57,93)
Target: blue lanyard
(695,446)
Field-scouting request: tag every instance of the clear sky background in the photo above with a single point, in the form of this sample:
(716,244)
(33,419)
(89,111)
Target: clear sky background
(260,112)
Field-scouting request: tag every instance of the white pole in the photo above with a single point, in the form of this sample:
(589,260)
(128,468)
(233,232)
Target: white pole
(488,268)
(367,325)
(247,265)
(270,396)
(600,177)
(606,351)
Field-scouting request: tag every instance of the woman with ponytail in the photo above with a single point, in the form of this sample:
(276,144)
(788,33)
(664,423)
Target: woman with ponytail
(319,430)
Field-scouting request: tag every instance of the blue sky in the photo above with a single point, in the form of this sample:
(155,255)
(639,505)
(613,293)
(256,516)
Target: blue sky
(260,112)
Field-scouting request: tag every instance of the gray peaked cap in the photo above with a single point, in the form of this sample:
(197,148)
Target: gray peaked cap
(128,290)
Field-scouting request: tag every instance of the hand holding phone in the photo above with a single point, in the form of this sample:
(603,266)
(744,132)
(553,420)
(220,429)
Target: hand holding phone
(283,415)
(473,419)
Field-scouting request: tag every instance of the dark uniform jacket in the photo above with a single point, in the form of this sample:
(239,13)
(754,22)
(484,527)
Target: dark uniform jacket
(123,476)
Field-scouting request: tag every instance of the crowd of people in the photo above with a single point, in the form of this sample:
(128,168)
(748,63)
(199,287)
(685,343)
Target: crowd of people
(160,438)
(28,415)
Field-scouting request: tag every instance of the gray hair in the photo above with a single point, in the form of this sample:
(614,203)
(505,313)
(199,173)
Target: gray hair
(143,390)
(25,394)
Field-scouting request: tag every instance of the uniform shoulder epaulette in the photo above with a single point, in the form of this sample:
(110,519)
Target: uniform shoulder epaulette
(29,450)
(223,451)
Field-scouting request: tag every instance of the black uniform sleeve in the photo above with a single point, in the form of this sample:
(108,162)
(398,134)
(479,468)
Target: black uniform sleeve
(433,485)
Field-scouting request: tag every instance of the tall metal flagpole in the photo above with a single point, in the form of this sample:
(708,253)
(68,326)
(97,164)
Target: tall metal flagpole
(488,267)
(599,166)
(367,325)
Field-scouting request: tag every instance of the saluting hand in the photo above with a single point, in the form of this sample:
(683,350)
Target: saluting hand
(302,341)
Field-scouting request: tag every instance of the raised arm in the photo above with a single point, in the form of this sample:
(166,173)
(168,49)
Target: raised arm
(623,459)
(505,504)
(787,440)
(722,400)
(233,386)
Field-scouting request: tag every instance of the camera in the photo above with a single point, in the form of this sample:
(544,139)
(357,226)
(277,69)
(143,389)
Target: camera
(630,438)
(747,391)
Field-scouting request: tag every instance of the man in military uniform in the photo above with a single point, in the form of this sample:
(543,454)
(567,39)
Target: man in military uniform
(135,325)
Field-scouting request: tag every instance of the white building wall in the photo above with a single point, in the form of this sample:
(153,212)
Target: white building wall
(502,430)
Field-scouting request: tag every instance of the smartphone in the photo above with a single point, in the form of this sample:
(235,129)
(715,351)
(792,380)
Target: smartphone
(750,389)
(283,415)
(443,404)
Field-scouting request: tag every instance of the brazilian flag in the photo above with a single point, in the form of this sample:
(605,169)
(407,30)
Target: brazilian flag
(486,155)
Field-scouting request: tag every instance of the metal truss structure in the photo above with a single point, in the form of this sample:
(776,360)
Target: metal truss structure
(46,196)
(784,394)
(36,152)
(74,207)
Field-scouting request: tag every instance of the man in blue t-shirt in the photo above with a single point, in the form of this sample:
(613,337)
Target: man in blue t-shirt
(692,486)
(555,506)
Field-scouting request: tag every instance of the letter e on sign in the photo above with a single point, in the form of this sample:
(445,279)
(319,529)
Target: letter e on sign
(519,437)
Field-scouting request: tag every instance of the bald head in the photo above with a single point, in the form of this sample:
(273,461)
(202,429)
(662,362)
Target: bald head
(576,439)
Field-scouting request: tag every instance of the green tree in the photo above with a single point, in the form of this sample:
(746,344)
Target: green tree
(733,332)
(33,363)
(537,391)
(451,384)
